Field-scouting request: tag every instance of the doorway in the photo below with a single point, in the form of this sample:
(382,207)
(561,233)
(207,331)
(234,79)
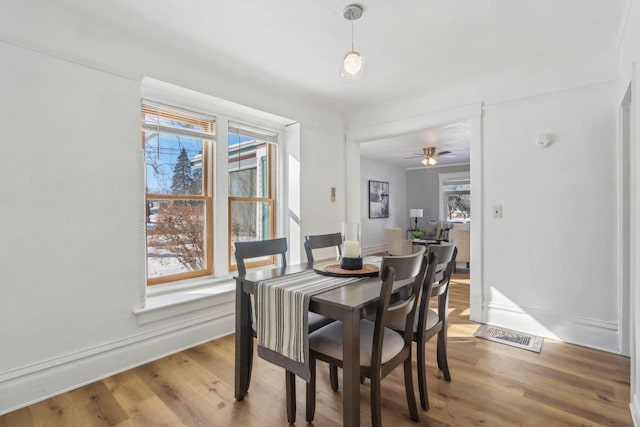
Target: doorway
(355,198)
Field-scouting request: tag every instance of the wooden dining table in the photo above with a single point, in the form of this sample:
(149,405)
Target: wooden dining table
(349,304)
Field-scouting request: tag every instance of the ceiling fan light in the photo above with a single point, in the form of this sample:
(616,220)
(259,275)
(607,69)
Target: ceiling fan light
(432,161)
(352,66)
(424,161)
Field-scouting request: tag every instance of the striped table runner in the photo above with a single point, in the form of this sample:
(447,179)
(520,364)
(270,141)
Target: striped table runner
(282,312)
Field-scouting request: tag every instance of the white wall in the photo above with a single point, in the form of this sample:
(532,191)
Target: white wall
(545,268)
(629,63)
(550,261)
(325,168)
(373,239)
(71,199)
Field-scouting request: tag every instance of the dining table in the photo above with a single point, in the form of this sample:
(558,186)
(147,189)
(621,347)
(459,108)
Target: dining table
(349,304)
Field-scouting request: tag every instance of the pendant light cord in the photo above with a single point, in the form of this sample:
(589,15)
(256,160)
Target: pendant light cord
(352,32)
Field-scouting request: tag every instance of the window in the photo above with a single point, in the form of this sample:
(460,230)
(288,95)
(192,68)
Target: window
(458,202)
(178,187)
(455,191)
(252,154)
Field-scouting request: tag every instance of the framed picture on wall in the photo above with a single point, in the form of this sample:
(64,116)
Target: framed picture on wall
(378,199)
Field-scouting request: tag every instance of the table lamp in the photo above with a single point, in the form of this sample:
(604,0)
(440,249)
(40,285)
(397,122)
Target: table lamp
(415,213)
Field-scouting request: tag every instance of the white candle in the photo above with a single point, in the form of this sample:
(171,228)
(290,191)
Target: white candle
(351,249)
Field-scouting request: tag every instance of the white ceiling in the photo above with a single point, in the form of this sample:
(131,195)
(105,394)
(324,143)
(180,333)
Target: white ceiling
(405,151)
(411,46)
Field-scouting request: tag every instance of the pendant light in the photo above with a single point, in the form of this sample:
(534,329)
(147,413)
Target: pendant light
(353,63)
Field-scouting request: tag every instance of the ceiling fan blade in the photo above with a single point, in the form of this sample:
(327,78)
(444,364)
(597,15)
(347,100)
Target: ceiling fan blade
(443,152)
(417,156)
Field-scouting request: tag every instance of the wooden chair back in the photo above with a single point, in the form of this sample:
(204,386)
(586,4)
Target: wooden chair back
(320,241)
(260,248)
(439,285)
(394,270)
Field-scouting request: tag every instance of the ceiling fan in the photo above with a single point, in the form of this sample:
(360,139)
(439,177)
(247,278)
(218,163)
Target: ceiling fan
(429,156)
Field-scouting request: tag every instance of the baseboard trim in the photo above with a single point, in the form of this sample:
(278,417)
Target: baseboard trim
(634,407)
(30,384)
(588,332)
(475,308)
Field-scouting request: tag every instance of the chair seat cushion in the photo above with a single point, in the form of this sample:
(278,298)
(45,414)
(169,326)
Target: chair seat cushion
(432,320)
(317,321)
(328,340)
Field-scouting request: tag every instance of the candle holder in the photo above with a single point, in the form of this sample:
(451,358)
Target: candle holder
(351,256)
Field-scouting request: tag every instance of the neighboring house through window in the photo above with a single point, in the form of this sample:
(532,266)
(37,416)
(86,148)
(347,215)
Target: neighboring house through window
(252,154)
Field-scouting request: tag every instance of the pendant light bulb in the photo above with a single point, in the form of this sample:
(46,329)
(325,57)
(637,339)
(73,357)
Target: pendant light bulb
(352,66)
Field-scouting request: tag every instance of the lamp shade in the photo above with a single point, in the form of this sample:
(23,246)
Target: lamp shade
(415,213)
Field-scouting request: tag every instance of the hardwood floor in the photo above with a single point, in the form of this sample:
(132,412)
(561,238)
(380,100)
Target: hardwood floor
(492,385)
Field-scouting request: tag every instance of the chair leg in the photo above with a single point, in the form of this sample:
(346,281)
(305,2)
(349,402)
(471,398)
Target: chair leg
(250,355)
(290,381)
(442,354)
(408,388)
(376,410)
(311,391)
(250,361)
(422,374)
(333,377)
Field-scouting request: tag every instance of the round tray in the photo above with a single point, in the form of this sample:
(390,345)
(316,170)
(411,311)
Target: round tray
(333,269)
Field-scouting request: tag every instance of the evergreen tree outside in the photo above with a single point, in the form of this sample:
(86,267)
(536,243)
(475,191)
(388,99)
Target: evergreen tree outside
(196,186)
(179,228)
(182,182)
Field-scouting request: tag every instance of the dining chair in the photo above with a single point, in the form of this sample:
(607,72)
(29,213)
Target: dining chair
(321,241)
(264,248)
(428,322)
(382,349)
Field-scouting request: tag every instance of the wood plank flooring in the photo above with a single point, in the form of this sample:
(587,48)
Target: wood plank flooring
(492,385)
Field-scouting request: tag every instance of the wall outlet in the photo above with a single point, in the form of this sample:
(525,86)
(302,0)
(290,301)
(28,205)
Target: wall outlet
(497,211)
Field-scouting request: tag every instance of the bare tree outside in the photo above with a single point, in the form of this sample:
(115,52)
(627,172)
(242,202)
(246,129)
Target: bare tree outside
(178,230)
(178,233)
(459,206)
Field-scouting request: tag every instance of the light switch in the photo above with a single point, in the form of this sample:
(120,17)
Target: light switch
(333,194)
(497,211)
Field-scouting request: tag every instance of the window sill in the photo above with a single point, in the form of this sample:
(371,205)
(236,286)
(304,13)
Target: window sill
(165,301)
